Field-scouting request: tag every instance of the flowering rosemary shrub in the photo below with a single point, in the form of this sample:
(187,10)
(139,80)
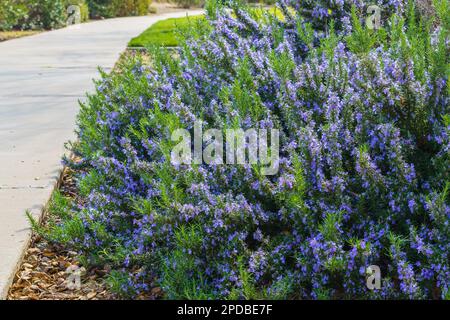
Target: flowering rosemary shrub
(364,162)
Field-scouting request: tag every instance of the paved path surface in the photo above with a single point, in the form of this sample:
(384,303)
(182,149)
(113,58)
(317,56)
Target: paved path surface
(42,77)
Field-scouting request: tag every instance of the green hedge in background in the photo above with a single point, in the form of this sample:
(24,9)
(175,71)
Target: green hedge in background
(124,8)
(32,14)
(118,8)
(189,3)
(37,14)
(45,14)
(52,14)
(11,12)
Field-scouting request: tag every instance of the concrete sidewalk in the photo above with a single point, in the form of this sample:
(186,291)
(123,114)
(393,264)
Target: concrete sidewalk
(42,77)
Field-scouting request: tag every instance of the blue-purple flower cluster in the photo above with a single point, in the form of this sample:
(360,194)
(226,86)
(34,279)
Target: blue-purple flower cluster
(364,163)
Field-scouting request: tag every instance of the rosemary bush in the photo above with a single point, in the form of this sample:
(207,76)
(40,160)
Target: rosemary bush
(364,163)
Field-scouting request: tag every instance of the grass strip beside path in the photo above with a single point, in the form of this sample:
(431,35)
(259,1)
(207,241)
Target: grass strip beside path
(164,33)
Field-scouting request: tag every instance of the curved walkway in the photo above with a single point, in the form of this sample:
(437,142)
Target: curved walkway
(42,77)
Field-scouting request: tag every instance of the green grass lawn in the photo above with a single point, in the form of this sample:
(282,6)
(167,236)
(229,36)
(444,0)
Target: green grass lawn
(164,33)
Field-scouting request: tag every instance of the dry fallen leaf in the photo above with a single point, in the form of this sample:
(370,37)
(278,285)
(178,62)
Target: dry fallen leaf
(91,295)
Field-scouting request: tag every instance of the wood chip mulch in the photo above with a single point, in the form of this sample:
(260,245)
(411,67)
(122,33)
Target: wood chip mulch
(44,276)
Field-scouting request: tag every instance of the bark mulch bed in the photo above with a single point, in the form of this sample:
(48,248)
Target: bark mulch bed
(43,276)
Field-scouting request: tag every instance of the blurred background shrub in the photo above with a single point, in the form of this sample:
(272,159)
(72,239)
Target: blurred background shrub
(118,8)
(100,8)
(52,14)
(44,14)
(123,8)
(33,14)
(189,3)
(11,12)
